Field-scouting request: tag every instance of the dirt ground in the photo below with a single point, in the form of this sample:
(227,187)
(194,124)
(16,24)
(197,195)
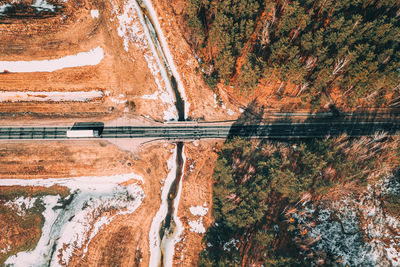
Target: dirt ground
(57,159)
(125,241)
(122,76)
(196,191)
(126,234)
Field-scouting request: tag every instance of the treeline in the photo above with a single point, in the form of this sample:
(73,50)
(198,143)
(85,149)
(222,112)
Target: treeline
(255,183)
(351,46)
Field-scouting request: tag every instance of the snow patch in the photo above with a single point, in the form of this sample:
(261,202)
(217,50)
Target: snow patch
(167,53)
(199,210)
(41,254)
(91,58)
(43,5)
(197,226)
(5,249)
(355,230)
(169,241)
(21,204)
(132,29)
(78,96)
(4,8)
(154,236)
(94,215)
(94,13)
(96,201)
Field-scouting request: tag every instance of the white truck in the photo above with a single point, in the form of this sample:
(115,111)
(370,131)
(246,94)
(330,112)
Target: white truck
(85,130)
(80,133)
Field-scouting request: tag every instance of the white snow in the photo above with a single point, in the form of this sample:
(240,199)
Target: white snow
(94,13)
(154,236)
(199,210)
(41,254)
(215,101)
(77,96)
(3,8)
(197,226)
(132,29)
(43,5)
(21,204)
(5,249)
(340,233)
(87,183)
(167,244)
(169,241)
(91,58)
(88,221)
(230,112)
(119,100)
(167,53)
(95,203)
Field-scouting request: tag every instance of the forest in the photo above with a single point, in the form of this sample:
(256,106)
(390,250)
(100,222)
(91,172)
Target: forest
(321,47)
(255,182)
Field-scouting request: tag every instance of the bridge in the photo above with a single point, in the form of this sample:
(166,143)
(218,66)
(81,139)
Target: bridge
(190,131)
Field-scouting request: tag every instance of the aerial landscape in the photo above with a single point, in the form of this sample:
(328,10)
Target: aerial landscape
(199,133)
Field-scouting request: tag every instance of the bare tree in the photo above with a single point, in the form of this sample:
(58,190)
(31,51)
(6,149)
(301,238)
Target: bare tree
(340,64)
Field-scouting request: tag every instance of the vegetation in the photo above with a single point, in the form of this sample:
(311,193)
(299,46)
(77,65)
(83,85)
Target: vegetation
(11,192)
(255,183)
(24,230)
(351,46)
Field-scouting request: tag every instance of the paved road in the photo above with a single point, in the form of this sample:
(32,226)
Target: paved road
(182,132)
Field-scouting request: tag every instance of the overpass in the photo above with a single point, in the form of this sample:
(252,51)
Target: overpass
(192,130)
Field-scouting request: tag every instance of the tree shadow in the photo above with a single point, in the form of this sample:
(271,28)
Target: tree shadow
(255,123)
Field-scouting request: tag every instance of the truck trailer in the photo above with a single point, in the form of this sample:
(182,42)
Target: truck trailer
(85,130)
(80,133)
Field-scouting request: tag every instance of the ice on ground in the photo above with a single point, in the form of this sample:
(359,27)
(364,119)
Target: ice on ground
(4,8)
(231,244)
(43,5)
(199,210)
(92,215)
(132,30)
(91,58)
(95,202)
(6,249)
(167,53)
(230,112)
(77,96)
(197,226)
(94,13)
(41,254)
(21,204)
(170,240)
(119,100)
(354,230)
(154,236)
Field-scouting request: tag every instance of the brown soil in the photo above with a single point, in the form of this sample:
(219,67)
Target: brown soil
(14,237)
(53,159)
(196,190)
(199,95)
(71,31)
(20,233)
(128,235)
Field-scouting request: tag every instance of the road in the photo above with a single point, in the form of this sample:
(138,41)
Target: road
(203,130)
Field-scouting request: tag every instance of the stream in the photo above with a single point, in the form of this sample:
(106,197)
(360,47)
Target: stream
(166,227)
